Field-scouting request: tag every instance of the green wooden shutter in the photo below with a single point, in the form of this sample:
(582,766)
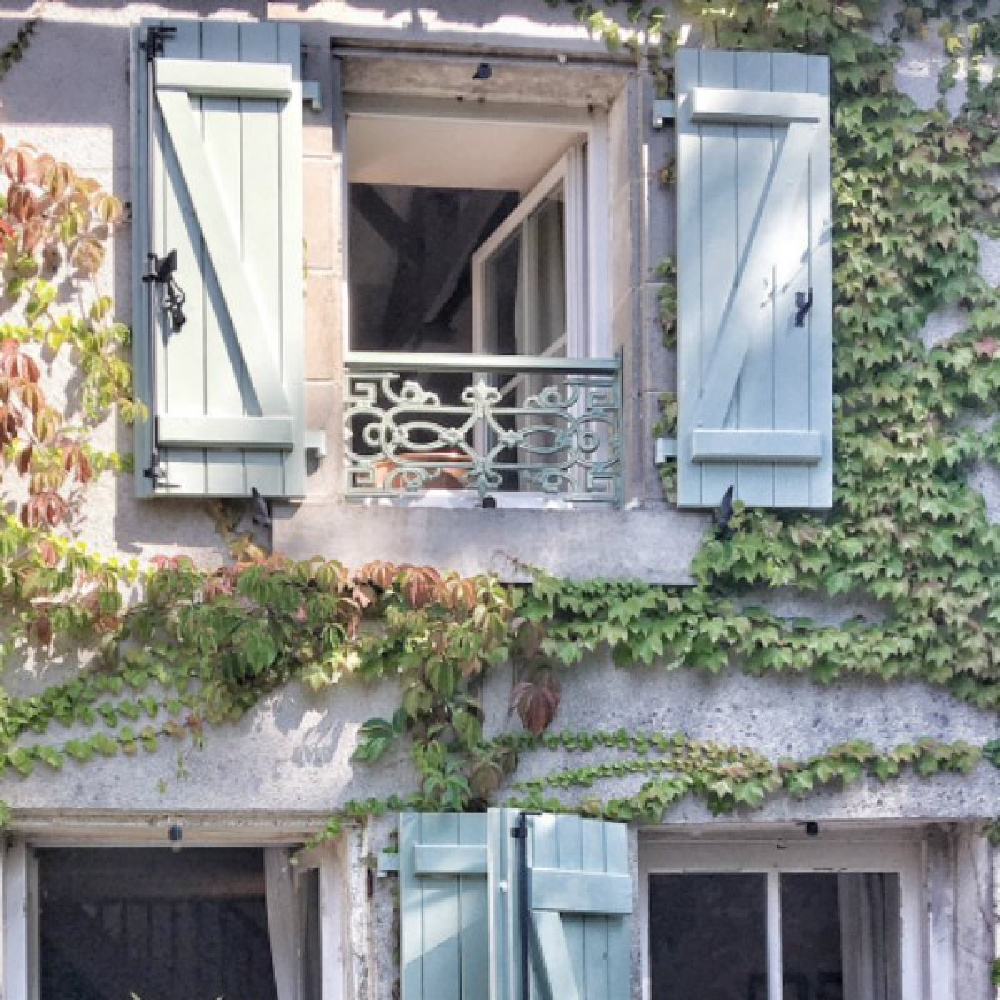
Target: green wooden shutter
(444,934)
(754,243)
(218,180)
(461,928)
(579,898)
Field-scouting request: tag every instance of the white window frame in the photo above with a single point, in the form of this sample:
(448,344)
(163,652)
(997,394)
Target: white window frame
(19,888)
(587,252)
(837,853)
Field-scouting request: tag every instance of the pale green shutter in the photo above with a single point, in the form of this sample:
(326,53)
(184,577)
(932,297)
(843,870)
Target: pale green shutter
(218,180)
(460,898)
(444,934)
(754,244)
(579,896)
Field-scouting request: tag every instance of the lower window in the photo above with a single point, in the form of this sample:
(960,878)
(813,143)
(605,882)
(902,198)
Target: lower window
(197,924)
(781,921)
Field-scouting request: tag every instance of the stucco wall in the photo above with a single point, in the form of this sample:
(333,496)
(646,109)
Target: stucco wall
(290,758)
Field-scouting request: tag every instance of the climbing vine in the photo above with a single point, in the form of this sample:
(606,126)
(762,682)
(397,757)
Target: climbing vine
(177,648)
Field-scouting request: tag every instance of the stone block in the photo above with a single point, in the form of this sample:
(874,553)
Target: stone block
(318,179)
(324,325)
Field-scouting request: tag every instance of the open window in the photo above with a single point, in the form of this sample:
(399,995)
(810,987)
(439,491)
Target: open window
(478,314)
(781,921)
(112,923)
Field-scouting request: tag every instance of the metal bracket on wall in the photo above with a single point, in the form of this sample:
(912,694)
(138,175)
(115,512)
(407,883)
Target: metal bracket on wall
(663,112)
(315,442)
(311,95)
(666,449)
(388,864)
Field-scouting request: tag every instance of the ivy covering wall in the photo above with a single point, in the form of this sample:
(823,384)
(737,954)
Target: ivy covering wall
(175,649)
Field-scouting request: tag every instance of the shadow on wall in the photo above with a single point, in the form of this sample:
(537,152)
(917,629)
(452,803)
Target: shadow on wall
(478,15)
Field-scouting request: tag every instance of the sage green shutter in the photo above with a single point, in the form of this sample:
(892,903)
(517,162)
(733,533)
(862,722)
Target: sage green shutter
(579,901)
(444,934)
(460,884)
(754,242)
(218,180)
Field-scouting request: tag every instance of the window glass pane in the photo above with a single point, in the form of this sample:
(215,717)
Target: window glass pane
(525,287)
(410,250)
(707,936)
(810,936)
(840,936)
(190,925)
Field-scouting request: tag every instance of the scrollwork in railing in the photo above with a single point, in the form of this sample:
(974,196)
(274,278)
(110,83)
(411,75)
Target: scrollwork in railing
(487,429)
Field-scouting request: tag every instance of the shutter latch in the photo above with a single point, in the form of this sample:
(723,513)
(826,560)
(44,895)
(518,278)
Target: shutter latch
(161,272)
(803,303)
(156,35)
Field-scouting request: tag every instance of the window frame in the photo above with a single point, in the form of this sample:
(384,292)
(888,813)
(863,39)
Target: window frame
(592,259)
(831,851)
(19,879)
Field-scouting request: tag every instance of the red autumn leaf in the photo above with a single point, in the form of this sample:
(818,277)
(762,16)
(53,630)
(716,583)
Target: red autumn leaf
(536,702)
(47,508)
(21,203)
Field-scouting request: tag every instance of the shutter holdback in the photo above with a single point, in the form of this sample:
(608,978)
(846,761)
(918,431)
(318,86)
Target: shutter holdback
(161,272)
(803,303)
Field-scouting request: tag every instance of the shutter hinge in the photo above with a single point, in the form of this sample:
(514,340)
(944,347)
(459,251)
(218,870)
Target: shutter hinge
(156,35)
(155,470)
(161,272)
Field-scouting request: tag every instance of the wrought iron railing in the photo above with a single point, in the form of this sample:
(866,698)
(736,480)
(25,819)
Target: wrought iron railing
(483,424)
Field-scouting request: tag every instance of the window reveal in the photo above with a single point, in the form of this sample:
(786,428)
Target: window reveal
(476,247)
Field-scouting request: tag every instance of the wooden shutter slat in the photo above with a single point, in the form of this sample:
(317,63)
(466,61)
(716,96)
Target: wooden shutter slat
(450,859)
(180,364)
(574,891)
(754,107)
(219,121)
(225,79)
(762,446)
(226,432)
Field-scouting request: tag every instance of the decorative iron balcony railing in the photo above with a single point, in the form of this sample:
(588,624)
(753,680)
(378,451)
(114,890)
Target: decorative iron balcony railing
(483,424)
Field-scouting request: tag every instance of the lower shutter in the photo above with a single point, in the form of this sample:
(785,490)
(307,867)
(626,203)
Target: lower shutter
(464,932)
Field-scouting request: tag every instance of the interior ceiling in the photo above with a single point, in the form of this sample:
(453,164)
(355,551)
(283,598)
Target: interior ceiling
(421,152)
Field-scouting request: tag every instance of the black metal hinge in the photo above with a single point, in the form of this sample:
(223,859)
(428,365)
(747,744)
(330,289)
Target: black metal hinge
(155,470)
(156,35)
